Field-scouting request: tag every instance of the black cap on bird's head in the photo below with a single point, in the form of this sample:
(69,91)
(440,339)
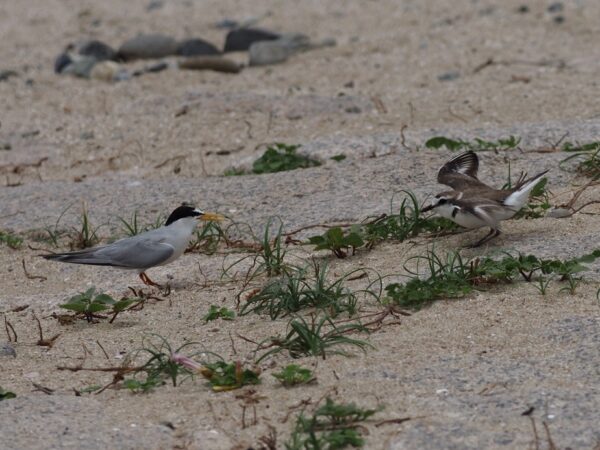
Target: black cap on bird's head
(183,211)
(188,210)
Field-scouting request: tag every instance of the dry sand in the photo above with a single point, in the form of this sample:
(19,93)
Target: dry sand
(464,370)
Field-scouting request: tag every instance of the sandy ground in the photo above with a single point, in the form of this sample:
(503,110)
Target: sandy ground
(464,371)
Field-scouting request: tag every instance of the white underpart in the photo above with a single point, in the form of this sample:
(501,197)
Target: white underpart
(466,220)
(179,236)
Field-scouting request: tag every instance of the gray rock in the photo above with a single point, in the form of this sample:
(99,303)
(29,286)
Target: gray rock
(146,46)
(242,38)
(556,7)
(279,50)
(155,4)
(216,63)
(97,50)
(197,47)
(7,350)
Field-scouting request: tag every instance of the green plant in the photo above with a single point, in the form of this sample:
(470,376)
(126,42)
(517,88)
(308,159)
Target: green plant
(207,238)
(477,144)
(293,374)
(234,172)
(281,157)
(404,224)
(87,304)
(448,278)
(307,287)
(317,338)
(215,313)
(132,227)
(337,241)
(587,155)
(87,235)
(338,158)
(12,240)
(332,426)
(163,363)
(5,395)
(224,376)
(268,255)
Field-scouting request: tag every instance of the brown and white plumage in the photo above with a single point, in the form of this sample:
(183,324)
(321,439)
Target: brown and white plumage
(472,203)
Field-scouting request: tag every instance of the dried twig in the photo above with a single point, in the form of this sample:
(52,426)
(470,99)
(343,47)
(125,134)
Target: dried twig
(44,342)
(102,348)
(8,326)
(29,276)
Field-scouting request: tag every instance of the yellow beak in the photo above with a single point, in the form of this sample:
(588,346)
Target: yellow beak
(213,217)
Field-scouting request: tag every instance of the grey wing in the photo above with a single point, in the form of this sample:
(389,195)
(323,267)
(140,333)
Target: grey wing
(461,172)
(138,252)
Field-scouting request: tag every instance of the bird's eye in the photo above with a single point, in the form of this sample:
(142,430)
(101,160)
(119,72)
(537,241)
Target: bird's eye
(441,201)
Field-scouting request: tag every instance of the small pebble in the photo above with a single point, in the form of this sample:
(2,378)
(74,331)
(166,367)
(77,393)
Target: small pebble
(227,24)
(6,146)
(154,4)
(146,46)
(523,9)
(449,76)
(86,135)
(559,19)
(242,38)
(555,7)
(197,47)
(7,350)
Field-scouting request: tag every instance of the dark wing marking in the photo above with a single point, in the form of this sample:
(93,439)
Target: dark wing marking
(461,172)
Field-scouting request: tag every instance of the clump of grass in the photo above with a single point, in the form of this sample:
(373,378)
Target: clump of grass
(11,240)
(448,278)
(268,257)
(477,144)
(207,238)
(292,375)
(452,277)
(332,426)
(6,395)
(133,227)
(587,157)
(215,313)
(307,287)
(88,304)
(318,337)
(87,235)
(404,224)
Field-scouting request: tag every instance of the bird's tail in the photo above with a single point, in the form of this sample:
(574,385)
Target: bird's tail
(522,190)
(79,257)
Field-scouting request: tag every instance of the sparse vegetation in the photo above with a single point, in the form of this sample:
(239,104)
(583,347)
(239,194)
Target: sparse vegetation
(477,145)
(306,288)
(279,157)
(317,337)
(292,375)
(11,240)
(587,157)
(332,426)
(215,313)
(224,376)
(337,241)
(132,227)
(88,304)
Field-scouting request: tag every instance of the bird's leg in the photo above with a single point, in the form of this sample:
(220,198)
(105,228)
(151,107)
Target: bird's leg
(147,281)
(491,235)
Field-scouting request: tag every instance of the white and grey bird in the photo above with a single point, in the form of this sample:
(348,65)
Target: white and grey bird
(472,203)
(145,250)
